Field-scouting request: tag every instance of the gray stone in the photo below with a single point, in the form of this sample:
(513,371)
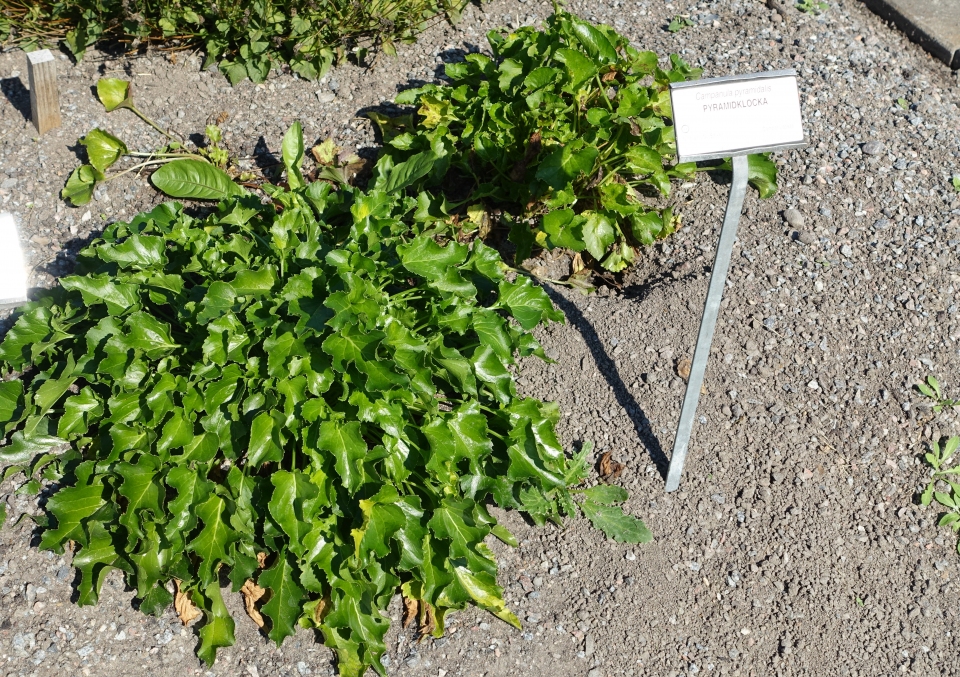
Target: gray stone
(873,148)
(794,218)
(933,24)
(326,97)
(589,644)
(8,183)
(806,237)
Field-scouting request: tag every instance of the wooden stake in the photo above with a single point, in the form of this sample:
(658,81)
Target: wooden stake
(44,98)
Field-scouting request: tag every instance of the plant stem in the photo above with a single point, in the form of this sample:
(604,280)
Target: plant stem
(153,124)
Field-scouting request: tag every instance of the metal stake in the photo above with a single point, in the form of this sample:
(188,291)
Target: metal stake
(728,234)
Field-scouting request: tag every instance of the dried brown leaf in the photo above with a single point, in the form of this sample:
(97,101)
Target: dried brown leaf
(610,469)
(184,607)
(428,621)
(262,559)
(251,594)
(683,368)
(411,608)
(322,609)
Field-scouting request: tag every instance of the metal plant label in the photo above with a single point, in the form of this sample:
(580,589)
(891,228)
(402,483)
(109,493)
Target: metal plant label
(727,117)
(736,115)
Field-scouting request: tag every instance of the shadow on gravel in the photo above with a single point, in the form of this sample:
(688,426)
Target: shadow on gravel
(17,95)
(608,368)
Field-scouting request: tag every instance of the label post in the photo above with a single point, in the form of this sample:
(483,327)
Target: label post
(732,116)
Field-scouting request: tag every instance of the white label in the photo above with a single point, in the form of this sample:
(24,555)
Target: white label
(731,116)
(13,276)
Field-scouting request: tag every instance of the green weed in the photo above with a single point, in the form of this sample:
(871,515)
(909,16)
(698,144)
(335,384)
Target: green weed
(567,131)
(246,39)
(812,6)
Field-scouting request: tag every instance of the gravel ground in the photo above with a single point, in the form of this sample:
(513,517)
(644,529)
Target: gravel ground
(795,545)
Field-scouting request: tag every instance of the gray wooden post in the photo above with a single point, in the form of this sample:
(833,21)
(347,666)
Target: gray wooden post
(44,97)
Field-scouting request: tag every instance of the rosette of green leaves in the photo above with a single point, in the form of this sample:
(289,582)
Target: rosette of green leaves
(570,124)
(314,394)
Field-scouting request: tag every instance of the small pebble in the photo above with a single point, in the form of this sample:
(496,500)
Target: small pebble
(873,148)
(794,218)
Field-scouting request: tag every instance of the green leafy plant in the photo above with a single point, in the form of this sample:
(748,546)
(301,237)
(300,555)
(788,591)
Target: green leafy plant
(312,394)
(812,6)
(104,150)
(247,39)
(932,390)
(679,22)
(566,129)
(938,458)
(955,182)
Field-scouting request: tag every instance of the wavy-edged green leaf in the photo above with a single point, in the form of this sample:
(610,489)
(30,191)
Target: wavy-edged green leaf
(612,521)
(528,303)
(348,448)
(606,494)
(212,543)
(70,506)
(286,597)
(424,257)
(218,626)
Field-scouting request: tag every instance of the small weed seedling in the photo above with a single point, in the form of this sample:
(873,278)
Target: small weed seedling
(679,22)
(931,389)
(812,6)
(939,457)
(955,182)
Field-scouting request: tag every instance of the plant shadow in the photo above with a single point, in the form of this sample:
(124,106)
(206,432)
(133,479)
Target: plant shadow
(17,95)
(608,369)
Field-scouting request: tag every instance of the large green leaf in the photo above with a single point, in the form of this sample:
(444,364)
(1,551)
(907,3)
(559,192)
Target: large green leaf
(566,163)
(140,251)
(70,506)
(598,234)
(286,597)
(212,543)
(103,148)
(97,556)
(527,303)
(114,93)
(218,626)
(594,42)
(265,442)
(424,257)
(119,297)
(80,184)
(292,152)
(195,180)
(141,488)
(348,448)
(406,173)
(292,506)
